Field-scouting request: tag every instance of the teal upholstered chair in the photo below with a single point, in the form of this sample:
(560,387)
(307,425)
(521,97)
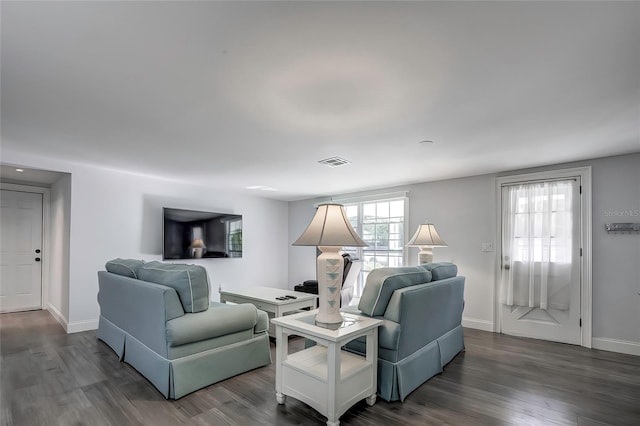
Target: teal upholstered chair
(421,308)
(157,317)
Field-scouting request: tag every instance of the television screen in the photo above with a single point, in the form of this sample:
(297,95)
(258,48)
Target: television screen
(189,234)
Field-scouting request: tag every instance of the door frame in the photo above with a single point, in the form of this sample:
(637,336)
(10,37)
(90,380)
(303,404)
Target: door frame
(584,173)
(46,195)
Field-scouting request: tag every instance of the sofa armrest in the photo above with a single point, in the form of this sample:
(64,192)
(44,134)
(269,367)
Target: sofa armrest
(262,325)
(139,307)
(426,312)
(388,332)
(219,320)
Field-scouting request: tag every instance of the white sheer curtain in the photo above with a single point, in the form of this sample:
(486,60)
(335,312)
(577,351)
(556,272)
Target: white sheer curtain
(537,228)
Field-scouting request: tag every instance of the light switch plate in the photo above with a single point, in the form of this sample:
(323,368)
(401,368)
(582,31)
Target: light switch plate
(486,247)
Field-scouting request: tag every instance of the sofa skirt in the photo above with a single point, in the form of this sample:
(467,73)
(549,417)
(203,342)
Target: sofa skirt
(112,335)
(178,377)
(396,380)
(196,371)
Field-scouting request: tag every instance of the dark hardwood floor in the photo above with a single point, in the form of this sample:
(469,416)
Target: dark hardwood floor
(51,378)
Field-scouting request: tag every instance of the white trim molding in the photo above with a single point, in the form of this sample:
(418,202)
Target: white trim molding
(477,324)
(72,327)
(55,313)
(383,196)
(78,326)
(615,345)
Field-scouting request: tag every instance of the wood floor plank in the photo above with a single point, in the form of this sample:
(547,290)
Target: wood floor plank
(50,378)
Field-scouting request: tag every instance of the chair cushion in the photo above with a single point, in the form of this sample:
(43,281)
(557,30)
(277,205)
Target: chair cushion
(441,270)
(381,283)
(189,281)
(220,320)
(126,267)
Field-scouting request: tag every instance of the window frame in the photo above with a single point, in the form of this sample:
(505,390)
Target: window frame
(234,248)
(360,251)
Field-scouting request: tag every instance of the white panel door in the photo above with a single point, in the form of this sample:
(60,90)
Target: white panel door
(20,251)
(541,268)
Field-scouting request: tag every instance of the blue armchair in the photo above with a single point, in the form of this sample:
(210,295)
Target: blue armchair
(421,308)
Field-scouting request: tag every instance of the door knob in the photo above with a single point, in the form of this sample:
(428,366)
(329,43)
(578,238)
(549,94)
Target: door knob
(37,250)
(37,259)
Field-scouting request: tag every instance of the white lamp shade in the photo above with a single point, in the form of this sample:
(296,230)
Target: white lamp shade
(330,228)
(197,243)
(426,235)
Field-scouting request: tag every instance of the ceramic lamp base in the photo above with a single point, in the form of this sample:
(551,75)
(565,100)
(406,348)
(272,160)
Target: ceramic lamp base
(425,255)
(329,266)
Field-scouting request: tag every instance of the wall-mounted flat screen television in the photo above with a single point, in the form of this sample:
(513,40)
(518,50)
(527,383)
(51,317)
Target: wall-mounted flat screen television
(190,234)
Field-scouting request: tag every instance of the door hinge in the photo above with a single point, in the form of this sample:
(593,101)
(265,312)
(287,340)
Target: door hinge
(580,251)
(580,322)
(581,189)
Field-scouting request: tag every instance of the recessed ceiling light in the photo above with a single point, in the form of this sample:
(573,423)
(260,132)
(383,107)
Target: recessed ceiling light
(334,161)
(20,170)
(425,142)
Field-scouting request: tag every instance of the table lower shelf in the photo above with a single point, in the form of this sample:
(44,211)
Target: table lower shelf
(313,361)
(304,377)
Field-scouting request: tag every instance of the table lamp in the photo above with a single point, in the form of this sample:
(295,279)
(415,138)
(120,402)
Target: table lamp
(426,237)
(329,230)
(198,248)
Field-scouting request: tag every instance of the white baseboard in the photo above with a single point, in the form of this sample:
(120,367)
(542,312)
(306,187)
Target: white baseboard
(615,345)
(478,324)
(612,345)
(72,327)
(78,326)
(57,315)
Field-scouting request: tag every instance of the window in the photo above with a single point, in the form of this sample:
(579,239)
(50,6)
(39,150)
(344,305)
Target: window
(234,235)
(542,222)
(380,223)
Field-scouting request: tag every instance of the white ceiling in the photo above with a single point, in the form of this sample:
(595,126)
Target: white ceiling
(237,94)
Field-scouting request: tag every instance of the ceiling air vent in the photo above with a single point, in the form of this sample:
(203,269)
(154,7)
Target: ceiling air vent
(334,161)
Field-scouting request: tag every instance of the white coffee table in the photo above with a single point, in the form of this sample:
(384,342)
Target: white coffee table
(264,298)
(325,377)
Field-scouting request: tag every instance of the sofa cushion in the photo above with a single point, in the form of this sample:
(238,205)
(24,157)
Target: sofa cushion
(189,281)
(218,321)
(381,283)
(126,267)
(441,270)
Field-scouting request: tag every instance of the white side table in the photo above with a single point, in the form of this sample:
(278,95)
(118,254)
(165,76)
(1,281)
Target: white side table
(327,378)
(265,299)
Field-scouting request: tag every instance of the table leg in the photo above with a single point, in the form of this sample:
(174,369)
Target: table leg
(371,400)
(282,349)
(372,358)
(333,377)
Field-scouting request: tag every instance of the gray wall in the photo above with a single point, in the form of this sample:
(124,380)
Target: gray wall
(464,211)
(59,244)
(108,214)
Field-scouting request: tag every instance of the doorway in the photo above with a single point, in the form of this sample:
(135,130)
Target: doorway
(544,271)
(21,233)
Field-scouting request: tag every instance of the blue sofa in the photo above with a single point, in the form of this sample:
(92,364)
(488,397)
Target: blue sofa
(421,308)
(157,317)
